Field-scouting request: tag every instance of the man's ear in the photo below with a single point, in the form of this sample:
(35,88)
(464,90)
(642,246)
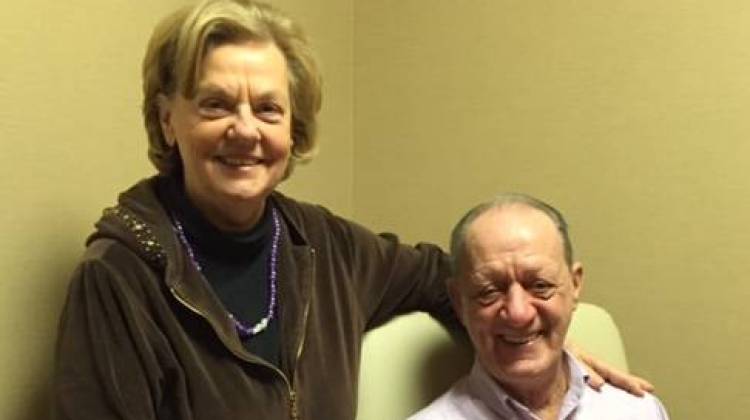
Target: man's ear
(455,295)
(576,271)
(165,118)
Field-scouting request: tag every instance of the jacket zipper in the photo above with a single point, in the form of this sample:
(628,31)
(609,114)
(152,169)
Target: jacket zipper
(293,397)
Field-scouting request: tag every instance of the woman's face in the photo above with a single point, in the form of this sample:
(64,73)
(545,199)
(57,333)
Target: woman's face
(234,135)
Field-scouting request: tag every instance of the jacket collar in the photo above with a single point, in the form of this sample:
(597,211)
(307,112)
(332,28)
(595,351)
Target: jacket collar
(141,223)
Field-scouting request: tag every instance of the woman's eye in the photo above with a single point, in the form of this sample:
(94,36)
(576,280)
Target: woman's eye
(214,107)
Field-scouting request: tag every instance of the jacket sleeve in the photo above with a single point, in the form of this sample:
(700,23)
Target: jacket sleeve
(393,278)
(104,367)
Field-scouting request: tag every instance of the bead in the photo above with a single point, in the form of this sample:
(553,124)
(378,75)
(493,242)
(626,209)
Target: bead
(243,330)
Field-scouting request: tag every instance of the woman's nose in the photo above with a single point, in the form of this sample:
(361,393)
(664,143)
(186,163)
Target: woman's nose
(518,310)
(246,125)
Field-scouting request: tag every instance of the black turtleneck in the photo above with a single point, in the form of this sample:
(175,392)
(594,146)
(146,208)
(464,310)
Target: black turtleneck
(234,264)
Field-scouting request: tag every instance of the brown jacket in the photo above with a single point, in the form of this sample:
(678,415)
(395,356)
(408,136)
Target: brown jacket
(143,336)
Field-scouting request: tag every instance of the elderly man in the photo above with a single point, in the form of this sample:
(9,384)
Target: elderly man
(515,287)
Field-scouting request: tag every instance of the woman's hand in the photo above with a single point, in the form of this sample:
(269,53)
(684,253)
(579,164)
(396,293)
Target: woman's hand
(600,372)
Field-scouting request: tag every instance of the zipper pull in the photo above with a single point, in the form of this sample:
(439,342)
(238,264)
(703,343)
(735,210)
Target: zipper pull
(294,409)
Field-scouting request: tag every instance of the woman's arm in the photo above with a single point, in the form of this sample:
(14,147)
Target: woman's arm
(104,368)
(600,372)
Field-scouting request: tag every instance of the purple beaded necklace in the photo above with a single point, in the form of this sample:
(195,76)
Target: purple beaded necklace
(243,330)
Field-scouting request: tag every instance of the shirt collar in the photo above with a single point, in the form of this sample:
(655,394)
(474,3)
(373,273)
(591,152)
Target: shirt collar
(482,385)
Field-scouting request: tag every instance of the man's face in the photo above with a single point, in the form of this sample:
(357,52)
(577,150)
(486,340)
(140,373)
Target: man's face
(516,294)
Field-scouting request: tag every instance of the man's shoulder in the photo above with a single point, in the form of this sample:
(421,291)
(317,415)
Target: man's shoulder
(620,404)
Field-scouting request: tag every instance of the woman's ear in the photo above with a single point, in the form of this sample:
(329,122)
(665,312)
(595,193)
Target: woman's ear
(165,118)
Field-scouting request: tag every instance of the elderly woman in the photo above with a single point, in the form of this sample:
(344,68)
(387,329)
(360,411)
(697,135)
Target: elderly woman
(206,294)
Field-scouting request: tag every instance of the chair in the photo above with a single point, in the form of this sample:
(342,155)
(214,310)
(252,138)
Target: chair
(411,360)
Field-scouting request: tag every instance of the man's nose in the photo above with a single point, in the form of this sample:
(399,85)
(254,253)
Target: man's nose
(518,310)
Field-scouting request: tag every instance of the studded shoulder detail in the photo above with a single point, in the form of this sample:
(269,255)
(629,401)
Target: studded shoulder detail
(147,242)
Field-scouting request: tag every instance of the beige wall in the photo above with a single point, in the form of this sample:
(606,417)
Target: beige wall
(632,117)
(71,136)
(329,178)
(72,139)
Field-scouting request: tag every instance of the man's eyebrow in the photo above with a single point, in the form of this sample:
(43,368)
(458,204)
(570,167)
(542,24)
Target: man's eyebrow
(487,277)
(273,96)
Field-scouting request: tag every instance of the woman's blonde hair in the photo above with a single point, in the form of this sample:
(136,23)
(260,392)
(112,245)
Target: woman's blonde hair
(179,43)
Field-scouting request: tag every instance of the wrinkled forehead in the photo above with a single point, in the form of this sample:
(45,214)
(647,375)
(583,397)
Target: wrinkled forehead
(513,265)
(516,235)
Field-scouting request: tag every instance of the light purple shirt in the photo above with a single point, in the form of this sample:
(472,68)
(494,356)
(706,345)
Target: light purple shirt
(478,397)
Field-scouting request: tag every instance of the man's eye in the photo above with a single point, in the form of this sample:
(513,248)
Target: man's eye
(270,111)
(542,289)
(488,296)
